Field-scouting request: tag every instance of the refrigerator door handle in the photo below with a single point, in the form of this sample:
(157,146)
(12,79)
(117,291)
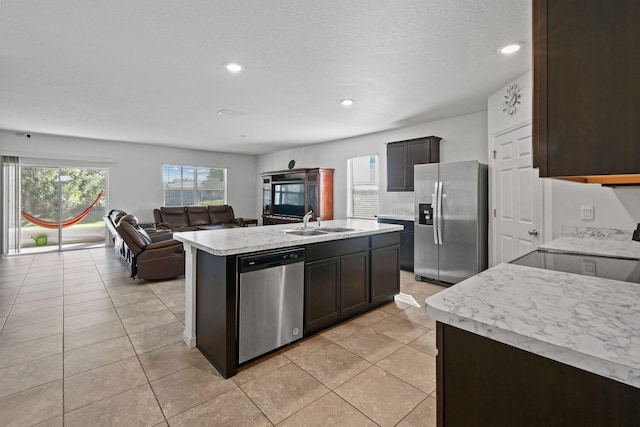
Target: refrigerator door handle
(438,224)
(434,201)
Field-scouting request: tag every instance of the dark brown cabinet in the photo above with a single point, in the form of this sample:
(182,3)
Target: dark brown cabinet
(287,195)
(402,156)
(482,382)
(586,97)
(406,241)
(342,281)
(385,266)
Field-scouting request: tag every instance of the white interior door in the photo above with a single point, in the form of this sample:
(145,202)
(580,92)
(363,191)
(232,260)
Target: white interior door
(518,196)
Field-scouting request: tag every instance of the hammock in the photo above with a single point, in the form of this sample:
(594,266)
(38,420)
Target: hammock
(69,222)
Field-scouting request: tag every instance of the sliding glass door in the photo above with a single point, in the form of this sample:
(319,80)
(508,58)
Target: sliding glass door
(61,208)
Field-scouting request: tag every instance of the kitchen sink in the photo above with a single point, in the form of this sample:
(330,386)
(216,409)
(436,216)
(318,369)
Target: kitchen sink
(307,232)
(336,229)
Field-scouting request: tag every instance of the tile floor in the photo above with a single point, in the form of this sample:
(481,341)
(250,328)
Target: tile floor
(81,344)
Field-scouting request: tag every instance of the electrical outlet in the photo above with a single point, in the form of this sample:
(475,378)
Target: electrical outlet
(586,212)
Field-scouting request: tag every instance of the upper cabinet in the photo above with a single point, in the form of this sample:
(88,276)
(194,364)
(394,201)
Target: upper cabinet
(586,103)
(403,155)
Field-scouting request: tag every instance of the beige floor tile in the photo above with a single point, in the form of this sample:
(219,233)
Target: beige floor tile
(9,292)
(30,332)
(101,383)
(426,343)
(189,388)
(93,335)
(370,345)
(137,309)
(7,300)
(35,296)
(32,406)
(86,296)
(17,378)
(37,305)
(77,289)
(304,347)
(15,320)
(342,330)
(370,318)
(230,409)
(417,315)
(96,355)
(28,288)
(412,366)
(332,365)
(89,319)
(381,396)
(131,297)
(260,367)
(394,307)
(284,392)
(423,416)
(399,329)
(328,411)
(155,338)
(4,311)
(136,407)
(30,350)
(167,360)
(53,422)
(84,307)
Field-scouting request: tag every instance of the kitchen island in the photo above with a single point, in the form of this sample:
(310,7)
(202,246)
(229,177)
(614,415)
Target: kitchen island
(349,270)
(527,346)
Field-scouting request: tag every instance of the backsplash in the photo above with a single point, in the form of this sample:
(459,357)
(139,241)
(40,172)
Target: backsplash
(596,233)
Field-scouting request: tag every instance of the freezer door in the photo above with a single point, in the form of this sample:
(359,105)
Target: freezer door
(425,246)
(462,249)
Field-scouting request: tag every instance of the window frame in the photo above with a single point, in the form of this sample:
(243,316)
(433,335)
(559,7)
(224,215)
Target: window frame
(350,186)
(196,190)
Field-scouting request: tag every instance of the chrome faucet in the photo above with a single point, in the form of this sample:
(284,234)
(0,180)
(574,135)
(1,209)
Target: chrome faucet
(318,219)
(306,218)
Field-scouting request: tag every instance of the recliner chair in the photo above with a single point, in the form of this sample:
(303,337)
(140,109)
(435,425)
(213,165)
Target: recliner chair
(149,260)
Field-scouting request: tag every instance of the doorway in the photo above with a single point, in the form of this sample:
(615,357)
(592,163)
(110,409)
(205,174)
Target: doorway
(61,208)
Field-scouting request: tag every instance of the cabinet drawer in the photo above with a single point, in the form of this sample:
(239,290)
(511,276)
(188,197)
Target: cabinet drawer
(336,248)
(386,239)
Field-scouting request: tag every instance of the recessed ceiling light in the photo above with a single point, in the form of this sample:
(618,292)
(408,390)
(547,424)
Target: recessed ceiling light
(510,48)
(233,67)
(346,102)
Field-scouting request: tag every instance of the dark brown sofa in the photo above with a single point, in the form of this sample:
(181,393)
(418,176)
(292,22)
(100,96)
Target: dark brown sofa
(192,218)
(149,260)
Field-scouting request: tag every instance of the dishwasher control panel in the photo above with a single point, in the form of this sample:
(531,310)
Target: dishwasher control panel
(270,259)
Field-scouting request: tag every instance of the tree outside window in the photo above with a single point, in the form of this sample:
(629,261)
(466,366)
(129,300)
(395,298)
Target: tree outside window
(191,185)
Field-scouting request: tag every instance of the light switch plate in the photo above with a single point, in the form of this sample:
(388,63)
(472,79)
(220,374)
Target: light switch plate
(586,212)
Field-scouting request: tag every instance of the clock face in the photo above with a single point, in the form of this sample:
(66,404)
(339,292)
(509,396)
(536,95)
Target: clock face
(511,99)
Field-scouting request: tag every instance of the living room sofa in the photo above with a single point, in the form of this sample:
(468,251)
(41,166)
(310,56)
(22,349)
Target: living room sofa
(151,253)
(192,218)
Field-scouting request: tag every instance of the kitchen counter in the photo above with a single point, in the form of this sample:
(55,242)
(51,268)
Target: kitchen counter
(243,240)
(399,217)
(589,323)
(211,275)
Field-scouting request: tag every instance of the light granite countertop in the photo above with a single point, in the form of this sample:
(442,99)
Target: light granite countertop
(586,322)
(398,217)
(242,240)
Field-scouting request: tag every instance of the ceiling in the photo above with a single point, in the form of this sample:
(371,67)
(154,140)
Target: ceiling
(152,71)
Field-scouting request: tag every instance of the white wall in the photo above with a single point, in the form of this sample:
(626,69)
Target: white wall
(617,208)
(135,170)
(463,138)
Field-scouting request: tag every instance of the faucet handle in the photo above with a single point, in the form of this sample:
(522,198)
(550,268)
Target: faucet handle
(318,219)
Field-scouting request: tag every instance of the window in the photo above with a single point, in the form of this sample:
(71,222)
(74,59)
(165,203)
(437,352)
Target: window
(191,185)
(363,187)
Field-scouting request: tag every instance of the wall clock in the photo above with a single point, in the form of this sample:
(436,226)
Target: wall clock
(512,99)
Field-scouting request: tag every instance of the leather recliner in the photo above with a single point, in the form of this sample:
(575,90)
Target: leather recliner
(149,260)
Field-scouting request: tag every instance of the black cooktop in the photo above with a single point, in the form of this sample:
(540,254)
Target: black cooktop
(624,269)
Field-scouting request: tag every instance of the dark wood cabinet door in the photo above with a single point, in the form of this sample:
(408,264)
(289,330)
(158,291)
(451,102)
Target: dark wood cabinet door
(586,93)
(396,166)
(322,294)
(406,250)
(418,153)
(385,272)
(354,283)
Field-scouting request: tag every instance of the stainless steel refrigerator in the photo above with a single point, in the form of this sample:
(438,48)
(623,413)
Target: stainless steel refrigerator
(451,221)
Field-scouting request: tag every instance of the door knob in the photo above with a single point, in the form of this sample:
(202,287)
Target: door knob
(533,232)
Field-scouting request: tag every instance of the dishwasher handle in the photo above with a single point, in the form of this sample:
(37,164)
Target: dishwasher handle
(270,259)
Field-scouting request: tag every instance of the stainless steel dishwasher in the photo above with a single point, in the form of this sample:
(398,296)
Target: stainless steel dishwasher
(270,301)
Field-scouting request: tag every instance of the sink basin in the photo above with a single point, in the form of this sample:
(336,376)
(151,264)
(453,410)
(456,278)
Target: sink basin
(336,229)
(307,232)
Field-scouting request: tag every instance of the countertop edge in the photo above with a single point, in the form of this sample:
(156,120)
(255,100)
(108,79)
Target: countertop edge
(605,368)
